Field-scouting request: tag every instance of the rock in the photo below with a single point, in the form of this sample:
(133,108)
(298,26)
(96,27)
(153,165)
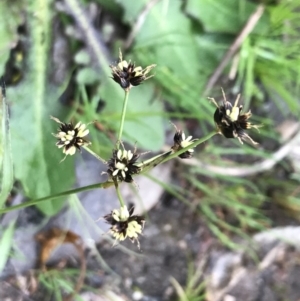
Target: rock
(236,276)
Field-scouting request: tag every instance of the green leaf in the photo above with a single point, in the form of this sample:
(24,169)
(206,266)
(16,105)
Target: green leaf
(226,16)
(5,244)
(11,17)
(166,38)
(6,164)
(87,76)
(168,31)
(36,157)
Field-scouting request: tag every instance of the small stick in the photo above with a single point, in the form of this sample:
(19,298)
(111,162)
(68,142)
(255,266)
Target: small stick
(139,22)
(252,21)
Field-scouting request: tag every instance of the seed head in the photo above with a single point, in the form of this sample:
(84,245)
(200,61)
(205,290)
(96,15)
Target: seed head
(180,142)
(230,120)
(127,75)
(70,137)
(122,166)
(124,224)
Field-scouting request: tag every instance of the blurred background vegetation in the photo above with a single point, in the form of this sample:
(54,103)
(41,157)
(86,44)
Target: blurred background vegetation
(55,57)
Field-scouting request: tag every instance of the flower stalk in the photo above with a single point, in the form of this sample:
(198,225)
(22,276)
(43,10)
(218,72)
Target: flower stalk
(169,155)
(190,146)
(120,198)
(122,118)
(93,154)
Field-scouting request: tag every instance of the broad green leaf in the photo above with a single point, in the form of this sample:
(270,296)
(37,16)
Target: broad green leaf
(6,164)
(166,38)
(87,76)
(226,16)
(10,18)
(36,157)
(167,32)
(5,244)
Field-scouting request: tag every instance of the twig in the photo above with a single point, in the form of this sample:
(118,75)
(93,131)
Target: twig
(252,21)
(89,33)
(139,22)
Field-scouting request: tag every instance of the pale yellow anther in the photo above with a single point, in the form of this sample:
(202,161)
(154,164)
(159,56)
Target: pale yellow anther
(82,133)
(71,151)
(234,115)
(129,155)
(122,65)
(124,213)
(115,172)
(120,166)
(119,154)
(235,111)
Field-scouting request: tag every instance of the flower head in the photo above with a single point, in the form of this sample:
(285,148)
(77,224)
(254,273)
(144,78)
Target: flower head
(230,120)
(122,166)
(180,142)
(124,224)
(126,74)
(70,137)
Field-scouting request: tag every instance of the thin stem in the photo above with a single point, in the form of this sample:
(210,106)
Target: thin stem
(94,154)
(105,184)
(194,144)
(122,203)
(166,156)
(55,196)
(122,119)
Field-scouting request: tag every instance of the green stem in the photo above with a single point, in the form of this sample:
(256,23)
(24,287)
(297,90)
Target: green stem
(194,144)
(108,184)
(122,203)
(94,154)
(55,196)
(122,119)
(166,156)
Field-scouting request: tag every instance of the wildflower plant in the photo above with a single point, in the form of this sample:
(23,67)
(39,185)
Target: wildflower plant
(124,164)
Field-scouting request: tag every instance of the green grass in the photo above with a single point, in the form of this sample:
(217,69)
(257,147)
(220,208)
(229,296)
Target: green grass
(194,289)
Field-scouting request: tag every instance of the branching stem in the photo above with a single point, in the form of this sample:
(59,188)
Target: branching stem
(109,183)
(194,144)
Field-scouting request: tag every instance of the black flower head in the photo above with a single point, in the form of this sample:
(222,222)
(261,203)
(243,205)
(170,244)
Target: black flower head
(124,224)
(128,75)
(70,137)
(180,142)
(122,166)
(230,120)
